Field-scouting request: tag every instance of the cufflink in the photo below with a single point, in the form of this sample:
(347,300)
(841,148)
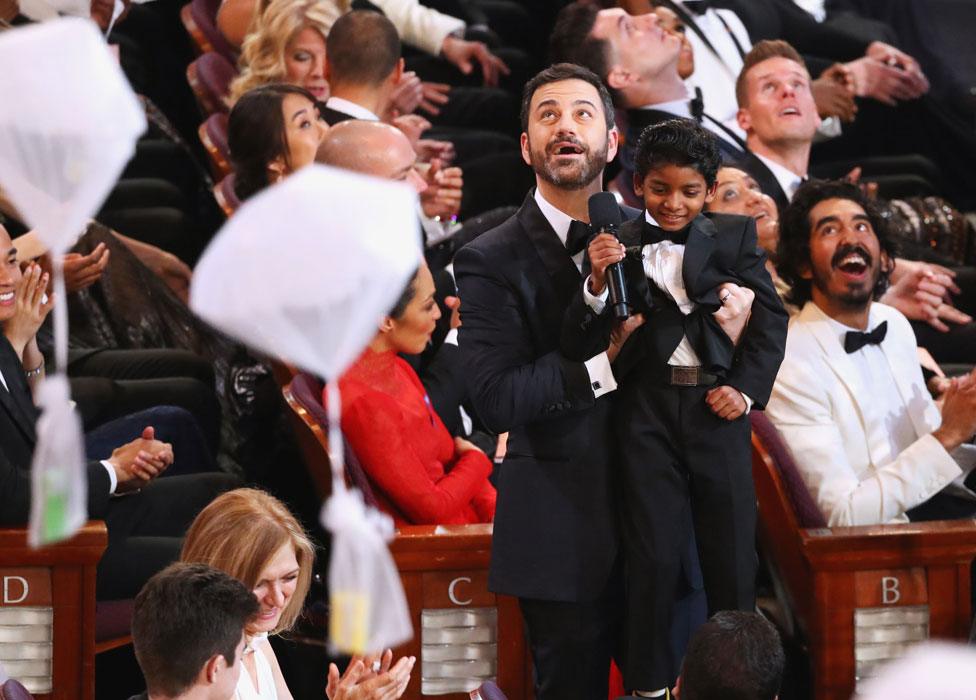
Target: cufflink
(597,386)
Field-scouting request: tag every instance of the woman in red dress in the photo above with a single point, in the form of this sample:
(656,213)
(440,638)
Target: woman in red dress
(419,473)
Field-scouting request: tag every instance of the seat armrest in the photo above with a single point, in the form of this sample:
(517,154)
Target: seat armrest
(85,547)
(889,546)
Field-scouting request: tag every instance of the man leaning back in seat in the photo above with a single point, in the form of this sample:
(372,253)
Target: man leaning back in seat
(849,400)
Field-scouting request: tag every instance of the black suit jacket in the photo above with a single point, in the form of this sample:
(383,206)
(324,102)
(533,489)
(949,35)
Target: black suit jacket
(720,248)
(17,440)
(764,176)
(333,116)
(555,534)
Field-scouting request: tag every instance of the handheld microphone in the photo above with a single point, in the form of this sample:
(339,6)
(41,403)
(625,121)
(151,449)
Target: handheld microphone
(605,217)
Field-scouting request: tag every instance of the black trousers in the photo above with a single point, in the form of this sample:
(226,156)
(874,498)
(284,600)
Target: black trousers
(572,643)
(676,454)
(146,529)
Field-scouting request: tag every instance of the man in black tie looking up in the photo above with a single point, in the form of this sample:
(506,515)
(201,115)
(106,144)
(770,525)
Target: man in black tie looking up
(555,539)
(849,399)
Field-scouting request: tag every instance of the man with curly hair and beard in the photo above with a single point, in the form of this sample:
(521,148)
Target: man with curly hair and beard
(849,399)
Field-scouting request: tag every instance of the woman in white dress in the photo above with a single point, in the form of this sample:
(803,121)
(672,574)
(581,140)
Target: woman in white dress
(253,536)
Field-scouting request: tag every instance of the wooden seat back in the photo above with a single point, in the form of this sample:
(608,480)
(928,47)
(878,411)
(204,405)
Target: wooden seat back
(862,595)
(463,633)
(47,612)
(199,17)
(210,76)
(213,136)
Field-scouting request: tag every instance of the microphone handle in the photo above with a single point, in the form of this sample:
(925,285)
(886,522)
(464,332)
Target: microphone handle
(619,303)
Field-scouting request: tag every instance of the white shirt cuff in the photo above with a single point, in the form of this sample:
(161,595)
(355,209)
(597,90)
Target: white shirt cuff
(601,375)
(596,302)
(112,479)
(749,402)
(452,337)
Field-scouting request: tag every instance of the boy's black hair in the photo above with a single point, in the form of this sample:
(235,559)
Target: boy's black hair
(793,251)
(679,142)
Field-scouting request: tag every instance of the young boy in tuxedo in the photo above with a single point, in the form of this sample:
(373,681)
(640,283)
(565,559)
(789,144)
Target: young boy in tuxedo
(684,387)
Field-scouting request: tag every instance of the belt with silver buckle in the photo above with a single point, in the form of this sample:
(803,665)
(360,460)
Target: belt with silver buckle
(676,375)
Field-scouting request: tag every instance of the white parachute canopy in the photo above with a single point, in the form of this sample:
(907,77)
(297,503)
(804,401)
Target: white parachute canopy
(68,125)
(930,669)
(305,271)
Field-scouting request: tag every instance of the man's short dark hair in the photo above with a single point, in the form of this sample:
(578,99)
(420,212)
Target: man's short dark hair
(566,71)
(572,41)
(183,616)
(362,48)
(679,142)
(734,656)
(763,51)
(793,251)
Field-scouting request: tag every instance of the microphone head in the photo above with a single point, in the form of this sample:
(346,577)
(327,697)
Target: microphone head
(604,211)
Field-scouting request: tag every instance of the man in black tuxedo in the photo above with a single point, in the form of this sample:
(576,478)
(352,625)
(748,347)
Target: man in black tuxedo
(555,536)
(146,525)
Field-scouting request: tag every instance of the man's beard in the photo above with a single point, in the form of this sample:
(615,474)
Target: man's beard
(854,299)
(575,179)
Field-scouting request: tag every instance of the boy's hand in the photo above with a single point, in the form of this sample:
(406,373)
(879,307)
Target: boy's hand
(604,250)
(736,309)
(726,402)
(621,331)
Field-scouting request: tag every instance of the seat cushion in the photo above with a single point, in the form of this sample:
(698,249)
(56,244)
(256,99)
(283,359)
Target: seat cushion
(204,13)
(307,390)
(13,690)
(488,691)
(113,619)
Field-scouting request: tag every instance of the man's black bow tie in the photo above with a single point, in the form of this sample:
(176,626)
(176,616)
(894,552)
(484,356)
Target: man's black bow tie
(576,239)
(697,106)
(855,340)
(655,234)
(699,7)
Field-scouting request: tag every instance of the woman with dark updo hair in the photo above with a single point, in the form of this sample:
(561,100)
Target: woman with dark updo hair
(420,475)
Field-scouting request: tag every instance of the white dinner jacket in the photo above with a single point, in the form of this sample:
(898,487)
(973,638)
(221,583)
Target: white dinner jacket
(818,404)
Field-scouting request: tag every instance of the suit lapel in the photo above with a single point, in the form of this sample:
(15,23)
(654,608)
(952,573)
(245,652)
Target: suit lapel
(20,413)
(767,181)
(556,260)
(698,251)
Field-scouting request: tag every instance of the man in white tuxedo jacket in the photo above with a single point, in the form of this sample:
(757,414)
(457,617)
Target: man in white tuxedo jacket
(849,400)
